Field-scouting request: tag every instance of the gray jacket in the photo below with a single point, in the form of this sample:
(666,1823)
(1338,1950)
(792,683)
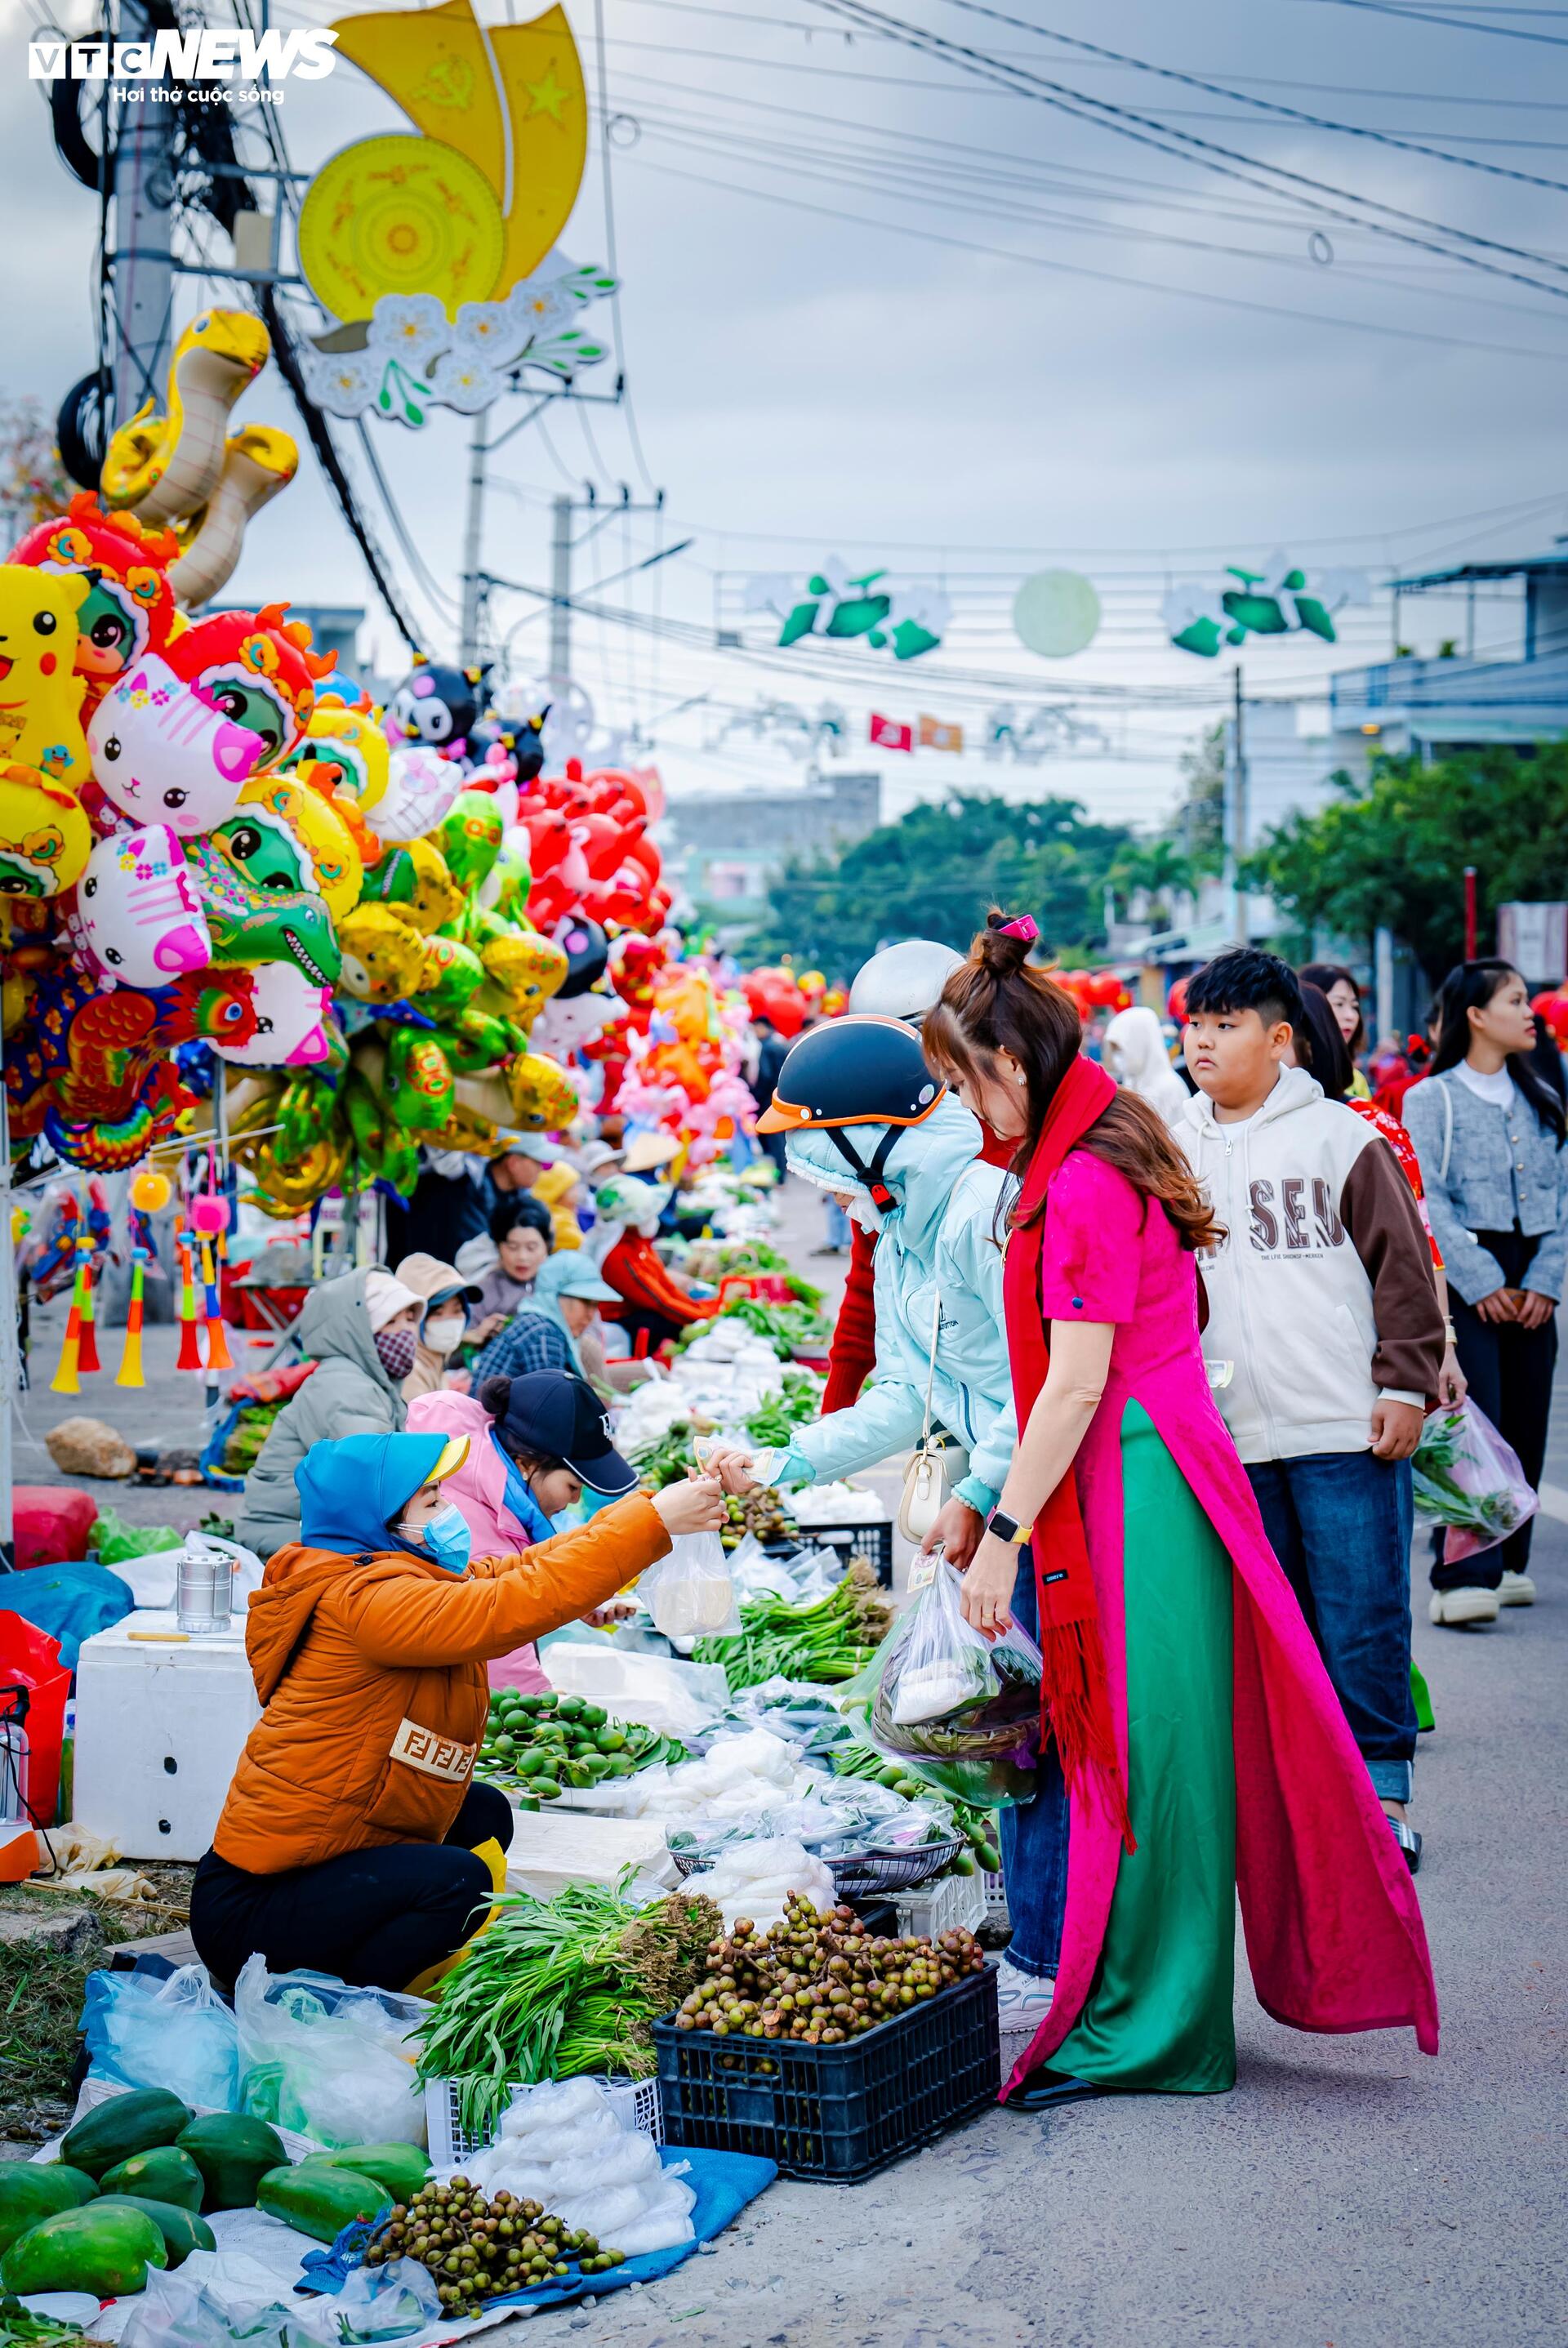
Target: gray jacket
(348,1392)
(1487,1170)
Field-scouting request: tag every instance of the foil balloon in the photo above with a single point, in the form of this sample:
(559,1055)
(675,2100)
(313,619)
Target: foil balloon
(450,977)
(418,1080)
(249,872)
(434,898)
(40,692)
(587,950)
(331,860)
(135,918)
(471,839)
(258,668)
(161,753)
(524,969)
(420,787)
(292,1021)
(543,1098)
(350,742)
(45,838)
(383,955)
(129,610)
(436,706)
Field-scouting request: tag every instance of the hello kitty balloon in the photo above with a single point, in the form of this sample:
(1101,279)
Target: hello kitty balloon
(134,917)
(290,1020)
(419,791)
(160,752)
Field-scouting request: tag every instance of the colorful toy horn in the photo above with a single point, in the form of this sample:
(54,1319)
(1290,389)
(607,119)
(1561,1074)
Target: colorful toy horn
(129,1370)
(189,1350)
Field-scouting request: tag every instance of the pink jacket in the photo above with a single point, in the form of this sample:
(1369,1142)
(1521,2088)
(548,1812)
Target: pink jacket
(478,1491)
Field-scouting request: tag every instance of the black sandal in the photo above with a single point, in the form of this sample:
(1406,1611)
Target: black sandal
(1408,1840)
(1044,2089)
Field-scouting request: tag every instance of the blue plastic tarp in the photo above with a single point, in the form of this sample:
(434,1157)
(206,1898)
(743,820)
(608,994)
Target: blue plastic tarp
(69,1602)
(723,2182)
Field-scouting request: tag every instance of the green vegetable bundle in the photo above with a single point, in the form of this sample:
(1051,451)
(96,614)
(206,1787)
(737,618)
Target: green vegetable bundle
(669,1460)
(826,1642)
(552,1991)
(536,1746)
(775,1420)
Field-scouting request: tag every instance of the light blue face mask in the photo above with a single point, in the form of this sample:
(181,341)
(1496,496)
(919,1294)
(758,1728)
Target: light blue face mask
(445,1539)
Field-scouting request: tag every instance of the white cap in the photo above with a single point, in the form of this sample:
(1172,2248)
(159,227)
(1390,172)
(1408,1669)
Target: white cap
(385,1296)
(903,982)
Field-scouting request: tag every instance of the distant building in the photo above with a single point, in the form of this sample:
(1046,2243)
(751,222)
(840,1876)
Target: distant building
(722,848)
(335,627)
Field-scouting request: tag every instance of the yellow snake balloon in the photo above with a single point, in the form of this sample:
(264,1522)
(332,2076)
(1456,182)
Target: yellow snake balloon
(184,469)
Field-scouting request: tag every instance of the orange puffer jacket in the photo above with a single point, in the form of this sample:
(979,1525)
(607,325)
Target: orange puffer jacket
(372,1672)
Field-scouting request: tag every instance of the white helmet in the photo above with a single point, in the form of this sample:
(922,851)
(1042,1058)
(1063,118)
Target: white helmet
(905,981)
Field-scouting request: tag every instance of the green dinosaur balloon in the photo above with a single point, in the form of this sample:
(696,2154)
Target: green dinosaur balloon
(469,835)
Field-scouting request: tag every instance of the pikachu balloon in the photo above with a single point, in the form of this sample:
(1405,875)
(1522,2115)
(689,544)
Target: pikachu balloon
(40,692)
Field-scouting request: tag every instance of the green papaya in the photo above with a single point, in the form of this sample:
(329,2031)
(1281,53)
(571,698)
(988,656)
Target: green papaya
(32,2190)
(182,2230)
(234,2153)
(402,2169)
(112,2131)
(106,2251)
(319,2199)
(163,2173)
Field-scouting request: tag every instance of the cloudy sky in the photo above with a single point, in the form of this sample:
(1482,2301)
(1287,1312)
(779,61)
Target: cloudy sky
(878,307)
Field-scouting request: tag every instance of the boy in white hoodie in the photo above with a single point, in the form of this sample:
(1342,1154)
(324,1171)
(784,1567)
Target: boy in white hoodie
(1321,1310)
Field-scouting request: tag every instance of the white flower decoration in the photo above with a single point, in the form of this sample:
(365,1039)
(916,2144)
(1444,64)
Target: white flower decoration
(344,383)
(466,383)
(491,330)
(411,327)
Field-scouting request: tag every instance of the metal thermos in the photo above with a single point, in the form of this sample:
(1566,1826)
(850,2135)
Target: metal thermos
(206,1587)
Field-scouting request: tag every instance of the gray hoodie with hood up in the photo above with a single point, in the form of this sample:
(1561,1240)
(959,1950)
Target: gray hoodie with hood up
(348,1392)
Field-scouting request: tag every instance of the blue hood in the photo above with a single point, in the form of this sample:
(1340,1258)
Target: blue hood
(350,1491)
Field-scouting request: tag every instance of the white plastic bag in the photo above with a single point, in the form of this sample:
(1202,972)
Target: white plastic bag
(689,1592)
(334,2063)
(176,2033)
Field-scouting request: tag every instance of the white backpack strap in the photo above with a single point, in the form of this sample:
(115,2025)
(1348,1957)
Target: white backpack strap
(930,1369)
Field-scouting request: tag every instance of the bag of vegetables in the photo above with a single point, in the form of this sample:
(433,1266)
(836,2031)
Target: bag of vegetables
(1468,1479)
(963,1710)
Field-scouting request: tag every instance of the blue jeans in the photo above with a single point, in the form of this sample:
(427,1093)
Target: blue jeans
(1035,1839)
(839,1233)
(1340,1524)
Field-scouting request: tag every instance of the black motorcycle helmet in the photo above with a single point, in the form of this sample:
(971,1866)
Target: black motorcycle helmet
(859,1070)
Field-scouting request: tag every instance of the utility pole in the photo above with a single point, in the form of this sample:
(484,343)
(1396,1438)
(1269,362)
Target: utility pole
(473,549)
(137,135)
(1236,826)
(560,588)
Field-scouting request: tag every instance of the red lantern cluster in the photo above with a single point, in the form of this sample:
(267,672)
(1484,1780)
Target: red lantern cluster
(773,993)
(1094,990)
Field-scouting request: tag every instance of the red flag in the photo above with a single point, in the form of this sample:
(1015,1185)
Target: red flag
(887,734)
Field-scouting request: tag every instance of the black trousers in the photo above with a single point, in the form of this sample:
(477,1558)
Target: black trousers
(374,1918)
(1510,1372)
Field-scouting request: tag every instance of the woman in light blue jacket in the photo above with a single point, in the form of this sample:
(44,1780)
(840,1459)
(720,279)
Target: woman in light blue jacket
(919,1182)
(1489,1131)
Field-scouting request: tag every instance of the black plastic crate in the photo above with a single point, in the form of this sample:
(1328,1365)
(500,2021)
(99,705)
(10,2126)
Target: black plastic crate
(835,2111)
(871,1540)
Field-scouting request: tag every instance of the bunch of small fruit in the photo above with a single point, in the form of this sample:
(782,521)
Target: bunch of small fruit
(820,1976)
(535,1747)
(478,2247)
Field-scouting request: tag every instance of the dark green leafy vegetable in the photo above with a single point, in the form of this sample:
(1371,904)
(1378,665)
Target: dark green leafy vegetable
(826,1642)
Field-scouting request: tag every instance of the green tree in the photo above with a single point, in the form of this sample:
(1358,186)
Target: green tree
(1394,849)
(934,873)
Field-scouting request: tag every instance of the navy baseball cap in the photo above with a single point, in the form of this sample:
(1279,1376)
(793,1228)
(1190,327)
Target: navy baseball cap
(551,1412)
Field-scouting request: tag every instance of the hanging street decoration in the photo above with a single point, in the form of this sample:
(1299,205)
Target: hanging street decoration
(1280,600)
(906,620)
(937,734)
(823,732)
(433,251)
(1029,737)
(1055,614)
(889,733)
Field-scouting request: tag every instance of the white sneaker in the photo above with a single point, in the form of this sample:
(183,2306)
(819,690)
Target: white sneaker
(1458,1610)
(1517,1589)
(1022,1999)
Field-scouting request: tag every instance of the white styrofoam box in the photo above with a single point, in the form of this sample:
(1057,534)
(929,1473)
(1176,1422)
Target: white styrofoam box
(950,1904)
(550,1851)
(161,1723)
(996,1910)
(634,2102)
(657,1691)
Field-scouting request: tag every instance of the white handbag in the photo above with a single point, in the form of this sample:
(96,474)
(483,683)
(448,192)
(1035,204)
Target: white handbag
(937,1466)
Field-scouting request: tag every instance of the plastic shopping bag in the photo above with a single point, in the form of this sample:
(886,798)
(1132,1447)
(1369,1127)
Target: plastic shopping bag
(689,1593)
(1468,1480)
(964,1710)
(176,2033)
(333,2063)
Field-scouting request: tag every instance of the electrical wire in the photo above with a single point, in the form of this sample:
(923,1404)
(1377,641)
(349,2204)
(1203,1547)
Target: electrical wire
(1263,105)
(1451,24)
(1148,131)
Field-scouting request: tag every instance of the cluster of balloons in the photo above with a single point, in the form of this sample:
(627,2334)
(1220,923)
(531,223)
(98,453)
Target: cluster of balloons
(1551,1006)
(789,998)
(1094,990)
(203,842)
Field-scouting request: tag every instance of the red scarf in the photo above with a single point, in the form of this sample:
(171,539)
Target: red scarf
(1075,1696)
